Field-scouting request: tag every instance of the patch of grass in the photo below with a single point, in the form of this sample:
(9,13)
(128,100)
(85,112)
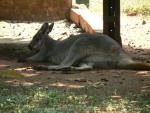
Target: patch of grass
(130,7)
(39,100)
(10,74)
(136,7)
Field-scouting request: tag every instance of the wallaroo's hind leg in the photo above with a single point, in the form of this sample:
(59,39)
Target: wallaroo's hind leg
(82,67)
(74,55)
(67,62)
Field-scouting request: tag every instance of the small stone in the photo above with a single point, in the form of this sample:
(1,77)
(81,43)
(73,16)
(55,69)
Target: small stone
(143,22)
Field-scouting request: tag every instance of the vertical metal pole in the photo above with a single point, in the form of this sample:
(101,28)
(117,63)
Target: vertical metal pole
(111,19)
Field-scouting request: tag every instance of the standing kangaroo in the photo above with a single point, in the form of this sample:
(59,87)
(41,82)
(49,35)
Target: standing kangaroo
(81,52)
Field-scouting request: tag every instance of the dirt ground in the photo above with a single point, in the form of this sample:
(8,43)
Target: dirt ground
(115,83)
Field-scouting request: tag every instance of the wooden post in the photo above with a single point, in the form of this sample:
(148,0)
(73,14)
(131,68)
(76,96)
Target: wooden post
(111,19)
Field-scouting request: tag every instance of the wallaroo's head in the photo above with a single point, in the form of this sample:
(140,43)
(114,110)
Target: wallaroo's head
(38,38)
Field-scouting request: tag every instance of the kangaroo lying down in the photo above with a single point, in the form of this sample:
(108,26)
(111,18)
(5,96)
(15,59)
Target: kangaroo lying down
(80,52)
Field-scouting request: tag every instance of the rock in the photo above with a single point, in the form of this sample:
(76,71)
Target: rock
(143,22)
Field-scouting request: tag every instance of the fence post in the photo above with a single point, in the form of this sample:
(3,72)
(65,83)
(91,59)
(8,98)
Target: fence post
(111,19)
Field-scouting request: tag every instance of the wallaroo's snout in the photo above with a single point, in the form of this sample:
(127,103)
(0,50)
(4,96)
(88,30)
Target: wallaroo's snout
(35,47)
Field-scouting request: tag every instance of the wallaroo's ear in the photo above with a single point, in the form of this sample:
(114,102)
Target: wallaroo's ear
(49,29)
(44,26)
(51,26)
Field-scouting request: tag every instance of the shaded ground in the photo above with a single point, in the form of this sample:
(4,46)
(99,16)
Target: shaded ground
(99,83)
(103,82)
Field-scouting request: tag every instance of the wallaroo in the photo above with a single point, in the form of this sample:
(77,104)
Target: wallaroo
(80,52)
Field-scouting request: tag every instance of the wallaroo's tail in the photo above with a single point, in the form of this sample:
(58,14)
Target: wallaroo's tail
(137,66)
(130,66)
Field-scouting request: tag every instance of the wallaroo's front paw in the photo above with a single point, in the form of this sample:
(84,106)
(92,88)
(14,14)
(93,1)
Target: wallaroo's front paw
(44,68)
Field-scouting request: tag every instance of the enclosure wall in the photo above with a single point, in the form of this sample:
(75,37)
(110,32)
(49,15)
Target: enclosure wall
(34,10)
